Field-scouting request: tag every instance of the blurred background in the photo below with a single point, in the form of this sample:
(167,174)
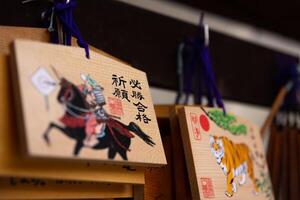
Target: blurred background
(252,44)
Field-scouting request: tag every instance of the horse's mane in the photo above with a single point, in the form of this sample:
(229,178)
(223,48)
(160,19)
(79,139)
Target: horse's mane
(79,98)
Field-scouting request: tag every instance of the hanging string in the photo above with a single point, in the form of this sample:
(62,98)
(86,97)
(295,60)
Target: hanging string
(213,91)
(180,72)
(188,68)
(64,11)
(288,73)
(195,69)
(61,14)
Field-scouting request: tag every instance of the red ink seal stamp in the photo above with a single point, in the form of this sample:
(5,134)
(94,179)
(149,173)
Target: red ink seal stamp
(195,126)
(207,187)
(115,106)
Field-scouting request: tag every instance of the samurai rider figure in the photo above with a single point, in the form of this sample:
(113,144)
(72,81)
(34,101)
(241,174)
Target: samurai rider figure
(96,121)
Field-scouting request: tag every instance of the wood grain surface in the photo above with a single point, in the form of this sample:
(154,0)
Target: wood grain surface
(12,163)
(32,188)
(207,179)
(70,62)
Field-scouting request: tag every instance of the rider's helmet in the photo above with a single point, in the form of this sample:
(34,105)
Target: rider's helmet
(97,90)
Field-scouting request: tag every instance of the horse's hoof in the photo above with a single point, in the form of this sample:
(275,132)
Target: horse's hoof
(46,138)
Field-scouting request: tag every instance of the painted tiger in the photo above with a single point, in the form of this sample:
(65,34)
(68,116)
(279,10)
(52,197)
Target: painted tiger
(235,161)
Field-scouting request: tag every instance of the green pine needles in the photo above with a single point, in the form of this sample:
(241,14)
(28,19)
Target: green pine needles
(264,185)
(227,122)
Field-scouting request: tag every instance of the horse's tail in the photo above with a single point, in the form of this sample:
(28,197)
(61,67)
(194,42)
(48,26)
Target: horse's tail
(137,130)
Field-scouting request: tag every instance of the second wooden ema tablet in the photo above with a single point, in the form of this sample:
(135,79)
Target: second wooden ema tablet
(93,109)
(224,155)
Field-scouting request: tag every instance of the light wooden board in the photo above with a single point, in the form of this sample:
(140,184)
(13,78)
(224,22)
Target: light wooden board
(10,33)
(180,181)
(34,59)
(180,174)
(12,163)
(159,181)
(163,111)
(204,140)
(33,188)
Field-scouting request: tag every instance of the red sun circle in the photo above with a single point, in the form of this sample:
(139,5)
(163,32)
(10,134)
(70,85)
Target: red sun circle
(204,122)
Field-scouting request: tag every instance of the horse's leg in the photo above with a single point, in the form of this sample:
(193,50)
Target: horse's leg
(78,147)
(123,154)
(53,125)
(112,153)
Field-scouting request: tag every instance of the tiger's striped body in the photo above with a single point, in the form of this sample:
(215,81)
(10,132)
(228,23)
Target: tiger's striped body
(234,160)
